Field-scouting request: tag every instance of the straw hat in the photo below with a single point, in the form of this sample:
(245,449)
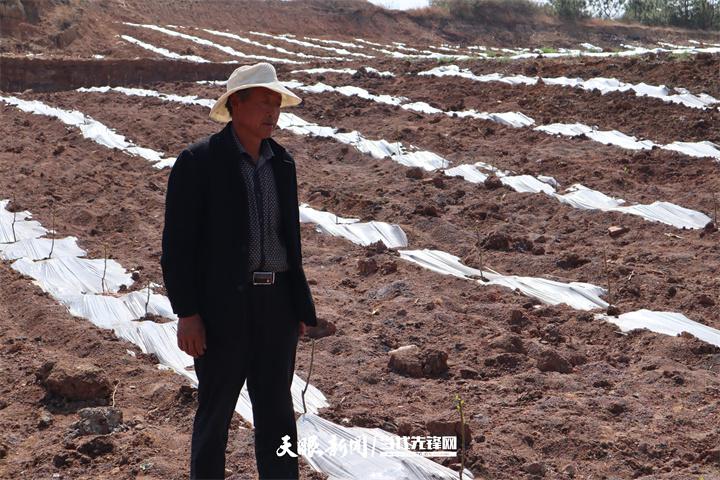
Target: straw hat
(249,76)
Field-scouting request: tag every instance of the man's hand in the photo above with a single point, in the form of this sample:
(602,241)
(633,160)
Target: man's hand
(303,329)
(191,335)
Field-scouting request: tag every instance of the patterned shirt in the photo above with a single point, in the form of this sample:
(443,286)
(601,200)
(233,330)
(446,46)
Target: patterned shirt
(266,248)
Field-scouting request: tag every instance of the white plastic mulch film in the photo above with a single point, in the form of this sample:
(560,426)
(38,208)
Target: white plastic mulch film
(348,50)
(577,196)
(90,128)
(376,148)
(207,43)
(294,41)
(357,453)
(518,119)
(512,119)
(163,51)
(269,46)
(63,276)
(582,197)
(592,51)
(607,137)
(90,288)
(41,248)
(581,296)
(667,323)
(360,233)
(613,137)
(349,71)
(601,84)
(400,50)
(15,226)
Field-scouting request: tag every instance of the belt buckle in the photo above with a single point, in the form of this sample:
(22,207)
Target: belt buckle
(263,278)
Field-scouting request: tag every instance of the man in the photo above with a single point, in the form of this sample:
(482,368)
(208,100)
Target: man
(232,265)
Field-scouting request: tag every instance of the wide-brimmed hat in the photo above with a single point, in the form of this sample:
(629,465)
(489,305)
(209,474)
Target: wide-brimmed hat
(249,76)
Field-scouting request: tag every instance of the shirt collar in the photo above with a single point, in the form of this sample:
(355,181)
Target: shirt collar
(266,151)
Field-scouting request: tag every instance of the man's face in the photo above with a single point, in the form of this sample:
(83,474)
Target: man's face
(256,115)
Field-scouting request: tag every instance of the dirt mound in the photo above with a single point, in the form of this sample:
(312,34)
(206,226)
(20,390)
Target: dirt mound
(72,28)
(21,74)
(14,13)
(75,382)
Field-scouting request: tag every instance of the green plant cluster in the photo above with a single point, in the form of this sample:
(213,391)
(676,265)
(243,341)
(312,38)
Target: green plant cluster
(694,14)
(484,11)
(698,14)
(570,9)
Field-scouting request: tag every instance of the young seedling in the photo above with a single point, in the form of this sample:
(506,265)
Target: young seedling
(459,404)
(147,300)
(52,232)
(114,392)
(13,226)
(479,248)
(609,282)
(102,281)
(307,382)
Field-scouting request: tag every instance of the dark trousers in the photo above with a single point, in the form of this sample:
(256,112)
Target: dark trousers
(265,357)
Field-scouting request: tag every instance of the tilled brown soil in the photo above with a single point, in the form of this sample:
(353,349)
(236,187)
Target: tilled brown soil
(640,405)
(545,104)
(696,73)
(36,439)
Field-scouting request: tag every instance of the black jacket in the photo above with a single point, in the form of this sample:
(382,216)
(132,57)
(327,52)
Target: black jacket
(205,239)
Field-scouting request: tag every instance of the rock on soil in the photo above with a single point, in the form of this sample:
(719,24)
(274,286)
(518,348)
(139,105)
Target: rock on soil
(617,407)
(76,382)
(468,373)
(97,421)
(46,419)
(505,361)
(705,300)
(411,361)
(367,266)
(509,343)
(518,320)
(535,468)
(711,456)
(416,173)
(97,446)
(427,210)
(389,267)
(391,291)
(615,231)
(552,361)
(492,182)
(497,241)
(324,328)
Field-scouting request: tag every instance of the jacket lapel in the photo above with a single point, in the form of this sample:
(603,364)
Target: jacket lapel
(235,203)
(284,173)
